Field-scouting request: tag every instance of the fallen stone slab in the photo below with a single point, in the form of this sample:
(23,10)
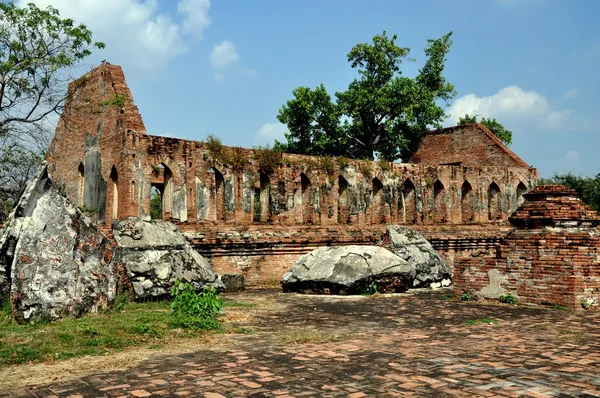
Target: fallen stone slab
(155,255)
(53,260)
(349,270)
(410,245)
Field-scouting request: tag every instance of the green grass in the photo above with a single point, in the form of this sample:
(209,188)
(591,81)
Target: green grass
(488,321)
(136,324)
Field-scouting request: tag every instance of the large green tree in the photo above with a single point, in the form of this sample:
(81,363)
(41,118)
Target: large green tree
(38,48)
(381,114)
(495,127)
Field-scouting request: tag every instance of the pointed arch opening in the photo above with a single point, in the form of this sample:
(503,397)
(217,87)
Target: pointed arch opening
(81,177)
(306,192)
(494,202)
(408,203)
(262,199)
(219,194)
(162,186)
(466,203)
(439,202)
(343,201)
(114,184)
(521,190)
(377,202)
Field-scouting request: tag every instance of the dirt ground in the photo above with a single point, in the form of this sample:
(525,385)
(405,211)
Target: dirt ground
(417,344)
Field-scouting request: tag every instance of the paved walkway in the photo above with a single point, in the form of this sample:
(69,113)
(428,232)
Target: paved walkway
(418,345)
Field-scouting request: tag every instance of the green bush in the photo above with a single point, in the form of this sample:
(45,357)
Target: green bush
(466,297)
(508,299)
(268,159)
(192,310)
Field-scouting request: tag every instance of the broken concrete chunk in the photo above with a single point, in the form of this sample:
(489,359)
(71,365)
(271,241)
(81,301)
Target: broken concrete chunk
(414,248)
(349,270)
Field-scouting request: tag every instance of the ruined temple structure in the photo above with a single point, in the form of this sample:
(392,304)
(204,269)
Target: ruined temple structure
(552,256)
(253,214)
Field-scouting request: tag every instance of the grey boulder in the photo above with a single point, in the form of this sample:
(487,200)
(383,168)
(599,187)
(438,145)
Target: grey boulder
(156,254)
(349,270)
(408,244)
(58,262)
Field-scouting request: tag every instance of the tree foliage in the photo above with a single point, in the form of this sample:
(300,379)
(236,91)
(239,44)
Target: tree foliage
(37,49)
(498,129)
(587,187)
(381,114)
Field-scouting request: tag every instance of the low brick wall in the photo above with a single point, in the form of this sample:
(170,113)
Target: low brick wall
(551,258)
(264,253)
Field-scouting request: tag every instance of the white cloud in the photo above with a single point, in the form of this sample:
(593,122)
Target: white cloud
(224,57)
(510,103)
(196,16)
(572,162)
(136,32)
(571,94)
(270,132)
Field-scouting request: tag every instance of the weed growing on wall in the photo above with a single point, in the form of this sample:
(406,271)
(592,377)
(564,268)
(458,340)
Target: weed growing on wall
(508,299)
(327,165)
(195,310)
(366,170)
(268,158)
(343,162)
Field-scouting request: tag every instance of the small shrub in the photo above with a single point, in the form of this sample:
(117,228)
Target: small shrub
(466,297)
(117,100)
(120,302)
(366,170)
(343,162)
(508,299)
(215,147)
(197,311)
(268,159)
(559,307)
(235,157)
(326,165)
(6,308)
(370,289)
(384,165)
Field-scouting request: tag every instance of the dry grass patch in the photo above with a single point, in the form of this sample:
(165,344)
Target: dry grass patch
(304,336)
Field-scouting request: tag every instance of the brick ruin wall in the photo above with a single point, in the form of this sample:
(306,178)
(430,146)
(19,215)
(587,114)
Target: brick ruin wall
(552,257)
(255,222)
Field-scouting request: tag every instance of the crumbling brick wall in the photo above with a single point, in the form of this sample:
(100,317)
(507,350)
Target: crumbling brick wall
(552,257)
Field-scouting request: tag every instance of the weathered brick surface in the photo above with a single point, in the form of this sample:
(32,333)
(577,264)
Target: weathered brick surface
(449,146)
(553,257)
(107,162)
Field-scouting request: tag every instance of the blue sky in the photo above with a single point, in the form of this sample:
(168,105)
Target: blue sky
(226,67)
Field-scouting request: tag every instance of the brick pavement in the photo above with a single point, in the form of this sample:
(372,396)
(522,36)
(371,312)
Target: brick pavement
(418,345)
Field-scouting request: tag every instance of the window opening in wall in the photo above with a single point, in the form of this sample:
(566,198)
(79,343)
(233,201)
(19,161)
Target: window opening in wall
(466,202)
(114,179)
(155,202)
(343,204)
(439,202)
(376,203)
(408,203)
(163,181)
(493,201)
(521,190)
(305,198)
(219,195)
(81,170)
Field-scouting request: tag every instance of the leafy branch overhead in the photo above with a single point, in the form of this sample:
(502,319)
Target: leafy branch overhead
(382,113)
(37,50)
